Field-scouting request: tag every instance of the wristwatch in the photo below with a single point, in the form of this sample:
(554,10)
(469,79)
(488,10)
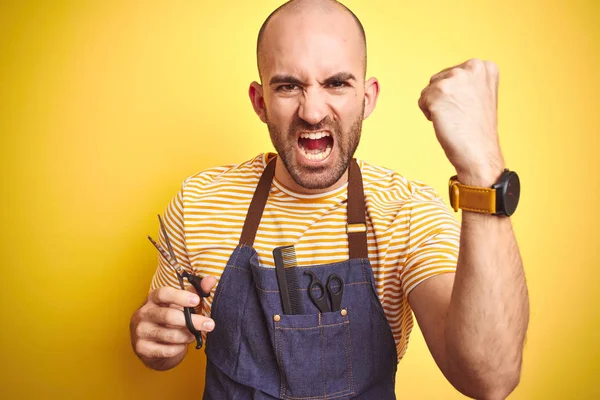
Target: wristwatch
(501,199)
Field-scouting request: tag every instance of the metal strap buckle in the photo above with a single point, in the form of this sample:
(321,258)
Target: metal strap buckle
(356,228)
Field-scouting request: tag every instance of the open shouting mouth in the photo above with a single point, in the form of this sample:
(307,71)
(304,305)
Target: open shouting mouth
(315,146)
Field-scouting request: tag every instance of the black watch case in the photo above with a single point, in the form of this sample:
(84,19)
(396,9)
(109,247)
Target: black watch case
(508,191)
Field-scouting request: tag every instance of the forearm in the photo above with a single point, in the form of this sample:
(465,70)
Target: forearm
(489,309)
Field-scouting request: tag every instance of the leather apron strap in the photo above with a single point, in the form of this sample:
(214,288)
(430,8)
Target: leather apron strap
(356,227)
(257,205)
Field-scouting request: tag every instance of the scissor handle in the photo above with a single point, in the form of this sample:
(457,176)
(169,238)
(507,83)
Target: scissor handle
(320,301)
(196,283)
(335,291)
(188,311)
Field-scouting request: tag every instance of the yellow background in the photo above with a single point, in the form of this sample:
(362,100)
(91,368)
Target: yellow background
(107,106)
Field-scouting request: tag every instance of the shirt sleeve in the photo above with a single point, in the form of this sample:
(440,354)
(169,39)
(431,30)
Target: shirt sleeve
(433,243)
(172,217)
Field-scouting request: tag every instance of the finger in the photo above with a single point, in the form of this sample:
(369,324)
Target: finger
(166,316)
(441,75)
(208,283)
(491,67)
(171,317)
(424,103)
(203,323)
(493,77)
(153,350)
(169,295)
(157,333)
(471,64)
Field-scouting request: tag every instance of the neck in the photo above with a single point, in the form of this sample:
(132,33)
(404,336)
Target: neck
(283,176)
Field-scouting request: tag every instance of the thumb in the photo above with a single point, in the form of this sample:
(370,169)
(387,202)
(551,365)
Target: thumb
(208,283)
(203,285)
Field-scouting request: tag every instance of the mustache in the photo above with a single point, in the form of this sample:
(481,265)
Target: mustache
(301,125)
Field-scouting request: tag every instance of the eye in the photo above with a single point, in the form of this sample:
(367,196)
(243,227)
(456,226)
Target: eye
(337,84)
(287,88)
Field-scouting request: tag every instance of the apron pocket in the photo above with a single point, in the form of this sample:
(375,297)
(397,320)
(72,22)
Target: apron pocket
(314,353)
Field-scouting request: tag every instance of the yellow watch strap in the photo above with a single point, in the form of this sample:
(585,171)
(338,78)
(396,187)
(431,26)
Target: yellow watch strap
(471,198)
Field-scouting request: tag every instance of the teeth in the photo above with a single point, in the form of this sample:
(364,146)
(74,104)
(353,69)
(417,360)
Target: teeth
(314,135)
(315,155)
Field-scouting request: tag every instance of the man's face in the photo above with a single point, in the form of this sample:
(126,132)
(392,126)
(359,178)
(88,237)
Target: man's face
(314,94)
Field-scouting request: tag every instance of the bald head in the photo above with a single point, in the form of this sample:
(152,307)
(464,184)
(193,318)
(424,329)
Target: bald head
(322,12)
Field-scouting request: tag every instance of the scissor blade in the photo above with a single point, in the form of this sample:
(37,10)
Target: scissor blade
(167,240)
(169,260)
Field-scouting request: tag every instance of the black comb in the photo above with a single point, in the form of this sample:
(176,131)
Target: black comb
(287,277)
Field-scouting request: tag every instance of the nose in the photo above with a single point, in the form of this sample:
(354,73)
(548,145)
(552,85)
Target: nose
(313,107)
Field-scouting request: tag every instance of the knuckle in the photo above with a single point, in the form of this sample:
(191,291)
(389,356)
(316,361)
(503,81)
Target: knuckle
(153,333)
(171,316)
(173,350)
(152,296)
(140,330)
(141,348)
(458,72)
(158,352)
(165,351)
(142,311)
(162,293)
(444,86)
(157,315)
(161,316)
(169,336)
(134,322)
(172,337)
(188,337)
(475,64)
(492,67)
(151,314)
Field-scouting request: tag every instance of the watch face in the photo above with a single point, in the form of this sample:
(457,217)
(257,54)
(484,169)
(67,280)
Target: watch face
(512,191)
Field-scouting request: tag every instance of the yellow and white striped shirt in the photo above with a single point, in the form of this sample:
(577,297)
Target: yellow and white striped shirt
(411,233)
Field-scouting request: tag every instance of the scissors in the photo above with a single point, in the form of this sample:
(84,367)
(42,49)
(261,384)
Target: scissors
(181,274)
(335,289)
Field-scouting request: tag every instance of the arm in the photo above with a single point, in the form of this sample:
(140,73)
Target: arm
(474,321)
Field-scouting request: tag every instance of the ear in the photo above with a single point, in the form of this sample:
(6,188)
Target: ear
(371,95)
(258,102)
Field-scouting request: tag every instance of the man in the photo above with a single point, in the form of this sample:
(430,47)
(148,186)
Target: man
(466,287)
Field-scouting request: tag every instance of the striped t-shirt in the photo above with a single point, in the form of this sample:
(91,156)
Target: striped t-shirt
(411,233)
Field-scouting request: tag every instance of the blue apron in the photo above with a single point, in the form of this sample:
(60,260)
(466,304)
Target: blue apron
(258,352)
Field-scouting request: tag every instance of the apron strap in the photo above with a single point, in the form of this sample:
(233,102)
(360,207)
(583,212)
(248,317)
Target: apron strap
(356,226)
(257,205)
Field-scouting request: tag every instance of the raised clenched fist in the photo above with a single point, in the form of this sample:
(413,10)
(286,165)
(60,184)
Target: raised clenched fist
(462,103)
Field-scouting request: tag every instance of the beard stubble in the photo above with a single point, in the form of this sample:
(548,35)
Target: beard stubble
(316,177)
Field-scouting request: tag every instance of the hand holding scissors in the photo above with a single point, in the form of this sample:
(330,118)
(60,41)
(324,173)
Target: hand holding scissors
(160,331)
(159,334)
(317,292)
(182,273)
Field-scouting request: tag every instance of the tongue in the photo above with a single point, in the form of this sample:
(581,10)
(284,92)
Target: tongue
(315,144)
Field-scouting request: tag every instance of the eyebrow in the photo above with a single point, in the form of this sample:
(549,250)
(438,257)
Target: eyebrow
(340,76)
(285,79)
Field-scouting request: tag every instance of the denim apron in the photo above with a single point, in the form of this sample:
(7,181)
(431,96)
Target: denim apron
(258,352)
